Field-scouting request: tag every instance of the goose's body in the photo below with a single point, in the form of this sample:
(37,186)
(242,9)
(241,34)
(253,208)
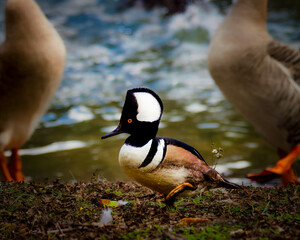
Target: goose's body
(32,61)
(258,75)
(165,165)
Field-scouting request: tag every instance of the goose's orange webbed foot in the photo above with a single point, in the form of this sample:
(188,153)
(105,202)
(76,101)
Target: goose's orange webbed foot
(15,166)
(283,168)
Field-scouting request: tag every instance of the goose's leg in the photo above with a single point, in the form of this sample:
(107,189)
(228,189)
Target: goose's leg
(4,168)
(283,168)
(289,177)
(170,198)
(16,166)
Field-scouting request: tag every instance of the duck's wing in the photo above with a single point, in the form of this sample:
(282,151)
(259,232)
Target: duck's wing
(288,56)
(185,147)
(180,154)
(288,89)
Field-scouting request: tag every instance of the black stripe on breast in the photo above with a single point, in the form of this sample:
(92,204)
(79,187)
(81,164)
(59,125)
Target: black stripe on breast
(151,154)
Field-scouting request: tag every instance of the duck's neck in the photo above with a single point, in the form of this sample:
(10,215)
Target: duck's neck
(251,10)
(138,140)
(142,134)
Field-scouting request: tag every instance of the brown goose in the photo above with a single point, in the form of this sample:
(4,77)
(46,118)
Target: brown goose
(261,78)
(32,59)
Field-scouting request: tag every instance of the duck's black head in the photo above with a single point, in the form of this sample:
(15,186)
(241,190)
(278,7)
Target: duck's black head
(141,114)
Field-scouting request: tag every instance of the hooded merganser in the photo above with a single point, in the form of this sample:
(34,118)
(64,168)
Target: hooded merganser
(165,165)
(32,60)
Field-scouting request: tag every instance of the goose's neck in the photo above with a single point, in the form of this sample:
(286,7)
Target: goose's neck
(254,11)
(24,19)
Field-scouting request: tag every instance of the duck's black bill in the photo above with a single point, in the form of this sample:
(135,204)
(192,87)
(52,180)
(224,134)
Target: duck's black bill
(117,131)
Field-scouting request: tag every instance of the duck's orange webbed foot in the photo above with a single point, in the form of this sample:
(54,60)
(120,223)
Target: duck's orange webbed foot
(4,168)
(170,198)
(15,166)
(283,168)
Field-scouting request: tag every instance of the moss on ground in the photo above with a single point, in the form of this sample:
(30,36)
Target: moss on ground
(73,211)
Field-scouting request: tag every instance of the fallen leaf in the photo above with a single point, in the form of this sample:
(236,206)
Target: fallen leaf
(191,221)
(110,203)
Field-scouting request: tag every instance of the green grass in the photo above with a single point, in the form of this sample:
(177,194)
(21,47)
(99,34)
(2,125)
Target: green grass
(217,232)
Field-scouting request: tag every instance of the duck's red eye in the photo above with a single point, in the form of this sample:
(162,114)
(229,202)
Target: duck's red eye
(129,120)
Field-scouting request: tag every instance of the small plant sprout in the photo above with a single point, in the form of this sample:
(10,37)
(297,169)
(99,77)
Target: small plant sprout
(216,154)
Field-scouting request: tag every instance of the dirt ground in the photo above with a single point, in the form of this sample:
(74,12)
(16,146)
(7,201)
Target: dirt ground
(73,211)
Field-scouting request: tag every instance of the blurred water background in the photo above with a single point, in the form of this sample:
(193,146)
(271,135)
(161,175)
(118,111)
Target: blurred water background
(113,47)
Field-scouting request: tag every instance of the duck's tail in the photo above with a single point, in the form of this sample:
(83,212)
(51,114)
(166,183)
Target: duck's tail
(226,184)
(218,181)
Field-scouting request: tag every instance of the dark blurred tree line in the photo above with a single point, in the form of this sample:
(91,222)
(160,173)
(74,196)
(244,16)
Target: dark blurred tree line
(175,6)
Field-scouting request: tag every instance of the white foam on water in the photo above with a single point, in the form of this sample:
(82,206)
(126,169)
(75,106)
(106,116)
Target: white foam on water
(75,115)
(53,147)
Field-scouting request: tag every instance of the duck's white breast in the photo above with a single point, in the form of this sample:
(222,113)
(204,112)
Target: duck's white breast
(153,175)
(132,157)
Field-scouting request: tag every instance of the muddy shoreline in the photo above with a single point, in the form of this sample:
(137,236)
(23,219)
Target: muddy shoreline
(73,211)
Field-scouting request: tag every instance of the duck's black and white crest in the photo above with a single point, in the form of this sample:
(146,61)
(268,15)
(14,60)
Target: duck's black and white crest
(143,104)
